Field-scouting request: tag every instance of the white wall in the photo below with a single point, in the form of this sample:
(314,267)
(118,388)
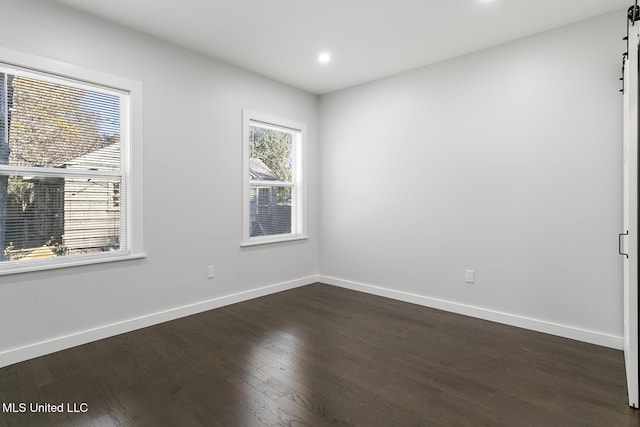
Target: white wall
(192,188)
(507,162)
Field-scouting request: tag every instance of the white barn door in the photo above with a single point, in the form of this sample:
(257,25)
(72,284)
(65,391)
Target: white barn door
(628,243)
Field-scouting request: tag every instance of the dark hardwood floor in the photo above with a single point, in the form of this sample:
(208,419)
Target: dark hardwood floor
(321,355)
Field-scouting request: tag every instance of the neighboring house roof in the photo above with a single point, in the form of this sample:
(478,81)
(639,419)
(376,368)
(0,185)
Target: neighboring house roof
(105,158)
(109,158)
(259,171)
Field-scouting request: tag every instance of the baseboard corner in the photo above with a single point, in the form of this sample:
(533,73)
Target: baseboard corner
(571,332)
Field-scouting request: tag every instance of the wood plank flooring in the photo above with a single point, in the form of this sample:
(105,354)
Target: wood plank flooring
(320,355)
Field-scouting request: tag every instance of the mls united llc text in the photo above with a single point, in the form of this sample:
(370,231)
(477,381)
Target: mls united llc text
(33,407)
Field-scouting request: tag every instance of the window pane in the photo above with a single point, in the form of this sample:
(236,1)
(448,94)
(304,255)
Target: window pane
(270,210)
(4,148)
(48,217)
(270,152)
(56,125)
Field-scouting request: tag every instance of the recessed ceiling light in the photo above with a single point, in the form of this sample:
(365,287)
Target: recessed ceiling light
(324,58)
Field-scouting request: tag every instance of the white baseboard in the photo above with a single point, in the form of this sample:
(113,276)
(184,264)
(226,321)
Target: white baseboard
(592,337)
(30,351)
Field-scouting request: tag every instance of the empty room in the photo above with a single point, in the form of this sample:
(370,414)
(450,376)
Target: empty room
(308,213)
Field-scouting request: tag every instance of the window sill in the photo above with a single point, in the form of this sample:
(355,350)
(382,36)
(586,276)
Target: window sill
(14,267)
(268,241)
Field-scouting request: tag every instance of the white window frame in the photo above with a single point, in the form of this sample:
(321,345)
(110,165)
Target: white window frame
(297,185)
(131,157)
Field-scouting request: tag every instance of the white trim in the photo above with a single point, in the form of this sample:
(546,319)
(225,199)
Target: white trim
(19,266)
(256,241)
(257,183)
(48,172)
(571,332)
(630,214)
(133,168)
(246,177)
(30,351)
(299,185)
(42,348)
(40,64)
(131,144)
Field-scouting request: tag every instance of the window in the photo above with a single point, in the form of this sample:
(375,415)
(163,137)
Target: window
(273,179)
(65,175)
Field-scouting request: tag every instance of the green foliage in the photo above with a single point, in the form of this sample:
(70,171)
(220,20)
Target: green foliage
(49,124)
(59,248)
(273,147)
(21,191)
(7,251)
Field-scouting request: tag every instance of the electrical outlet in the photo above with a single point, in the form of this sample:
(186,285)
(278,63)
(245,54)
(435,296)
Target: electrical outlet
(212,272)
(469,276)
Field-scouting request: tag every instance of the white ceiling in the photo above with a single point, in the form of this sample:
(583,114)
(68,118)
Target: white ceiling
(368,39)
